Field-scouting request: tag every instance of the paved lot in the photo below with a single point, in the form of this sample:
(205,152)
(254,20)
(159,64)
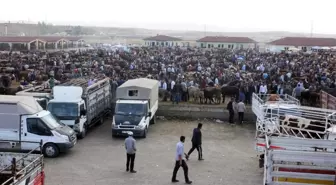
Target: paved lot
(99,159)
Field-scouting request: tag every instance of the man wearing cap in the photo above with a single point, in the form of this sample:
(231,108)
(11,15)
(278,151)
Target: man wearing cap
(130,152)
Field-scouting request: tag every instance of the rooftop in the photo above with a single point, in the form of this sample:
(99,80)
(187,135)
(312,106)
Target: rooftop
(226,39)
(304,41)
(163,38)
(26,39)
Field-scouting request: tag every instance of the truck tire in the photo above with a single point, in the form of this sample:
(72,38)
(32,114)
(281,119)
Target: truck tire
(50,150)
(153,120)
(83,133)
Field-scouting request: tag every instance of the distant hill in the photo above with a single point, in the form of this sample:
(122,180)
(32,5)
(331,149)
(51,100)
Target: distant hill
(42,28)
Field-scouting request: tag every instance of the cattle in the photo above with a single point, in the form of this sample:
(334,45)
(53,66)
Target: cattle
(302,126)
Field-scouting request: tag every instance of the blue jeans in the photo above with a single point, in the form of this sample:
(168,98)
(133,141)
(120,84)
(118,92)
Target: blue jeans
(177,98)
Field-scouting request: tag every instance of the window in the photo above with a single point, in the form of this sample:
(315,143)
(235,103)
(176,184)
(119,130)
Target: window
(222,45)
(219,45)
(81,107)
(304,48)
(209,46)
(36,126)
(286,48)
(202,45)
(132,92)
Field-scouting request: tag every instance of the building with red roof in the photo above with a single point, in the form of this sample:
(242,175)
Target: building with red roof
(226,42)
(302,43)
(39,42)
(164,41)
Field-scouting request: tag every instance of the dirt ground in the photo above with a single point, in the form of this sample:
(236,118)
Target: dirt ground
(99,159)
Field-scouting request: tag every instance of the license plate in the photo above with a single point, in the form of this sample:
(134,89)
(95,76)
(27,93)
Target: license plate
(124,132)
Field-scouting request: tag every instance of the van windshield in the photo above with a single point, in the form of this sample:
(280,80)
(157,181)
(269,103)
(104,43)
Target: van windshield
(130,109)
(51,121)
(64,111)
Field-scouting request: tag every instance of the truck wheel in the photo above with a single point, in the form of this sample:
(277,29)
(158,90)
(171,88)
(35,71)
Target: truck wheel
(50,150)
(83,133)
(153,121)
(145,133)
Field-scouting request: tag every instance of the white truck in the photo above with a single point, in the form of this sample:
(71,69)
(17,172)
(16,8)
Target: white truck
(21,168)
(23,122)
(136,106)
(297,143)
(80,105)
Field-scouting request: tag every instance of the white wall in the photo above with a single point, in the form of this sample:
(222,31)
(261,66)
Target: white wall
(279,48)
(162,43)
(225,45)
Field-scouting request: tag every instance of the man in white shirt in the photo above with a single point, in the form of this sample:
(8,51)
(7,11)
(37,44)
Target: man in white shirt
(263,89)
(179,161)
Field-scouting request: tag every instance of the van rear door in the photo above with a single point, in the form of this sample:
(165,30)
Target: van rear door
(9,131)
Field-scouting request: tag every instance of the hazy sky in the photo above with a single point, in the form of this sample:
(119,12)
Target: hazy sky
(218,15)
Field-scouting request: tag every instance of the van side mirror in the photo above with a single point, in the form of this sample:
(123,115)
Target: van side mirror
(83,112)
(149,114)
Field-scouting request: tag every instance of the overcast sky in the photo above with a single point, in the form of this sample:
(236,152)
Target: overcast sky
(217,15)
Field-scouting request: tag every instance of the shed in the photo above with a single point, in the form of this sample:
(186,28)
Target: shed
(139,89)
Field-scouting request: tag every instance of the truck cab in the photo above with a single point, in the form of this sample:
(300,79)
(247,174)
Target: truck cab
(131,115)
(69,107)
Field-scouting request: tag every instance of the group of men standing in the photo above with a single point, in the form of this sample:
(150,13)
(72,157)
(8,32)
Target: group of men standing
(180,156)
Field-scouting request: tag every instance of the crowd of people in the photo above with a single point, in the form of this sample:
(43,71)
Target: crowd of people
(179,69)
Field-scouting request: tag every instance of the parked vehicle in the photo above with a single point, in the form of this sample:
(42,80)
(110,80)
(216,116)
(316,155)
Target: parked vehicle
(80,105)
(41,93)
(299,161)
(136,106)
(23,120)
(22,168)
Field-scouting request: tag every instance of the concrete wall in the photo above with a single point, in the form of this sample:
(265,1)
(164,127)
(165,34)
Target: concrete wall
(225,45)
(279,48)
(166,43)
(194,111)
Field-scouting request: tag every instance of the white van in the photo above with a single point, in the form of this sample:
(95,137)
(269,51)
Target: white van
(23,119)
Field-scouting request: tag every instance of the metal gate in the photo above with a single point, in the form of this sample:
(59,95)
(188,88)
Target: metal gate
(328,101)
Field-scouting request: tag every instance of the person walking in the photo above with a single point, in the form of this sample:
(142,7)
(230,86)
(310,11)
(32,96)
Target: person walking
(196,142)
(179,161)
(130,152)
(241,109)
(230,108)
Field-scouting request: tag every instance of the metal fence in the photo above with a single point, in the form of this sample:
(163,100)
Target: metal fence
(328,101)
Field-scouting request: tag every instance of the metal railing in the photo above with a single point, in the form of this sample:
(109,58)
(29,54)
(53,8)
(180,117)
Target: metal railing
(15,175)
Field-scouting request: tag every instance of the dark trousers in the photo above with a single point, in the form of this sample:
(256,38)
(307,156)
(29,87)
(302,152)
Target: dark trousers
(185,169)
(240,117)
(231,115)
(130,159)
(198,148)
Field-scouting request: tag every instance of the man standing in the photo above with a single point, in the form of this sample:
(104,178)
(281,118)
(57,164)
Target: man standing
(196,142)
(179,161)
(241,109)
(130,152)
(231,111)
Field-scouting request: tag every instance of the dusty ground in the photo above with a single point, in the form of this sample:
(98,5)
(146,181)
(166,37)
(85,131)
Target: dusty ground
(100,160)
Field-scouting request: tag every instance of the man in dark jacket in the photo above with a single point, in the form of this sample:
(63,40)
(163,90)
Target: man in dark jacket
(177,91)
(196,142)
(230,108)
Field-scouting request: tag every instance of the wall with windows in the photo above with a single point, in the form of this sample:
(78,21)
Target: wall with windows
(165,43)
(286,47)
(225,45)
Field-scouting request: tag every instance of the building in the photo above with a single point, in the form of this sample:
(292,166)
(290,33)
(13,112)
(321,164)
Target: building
(164,41)
(302,43)
(39,42)
(226,42)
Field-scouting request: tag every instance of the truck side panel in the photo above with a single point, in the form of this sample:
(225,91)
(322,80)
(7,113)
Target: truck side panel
(98,102)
